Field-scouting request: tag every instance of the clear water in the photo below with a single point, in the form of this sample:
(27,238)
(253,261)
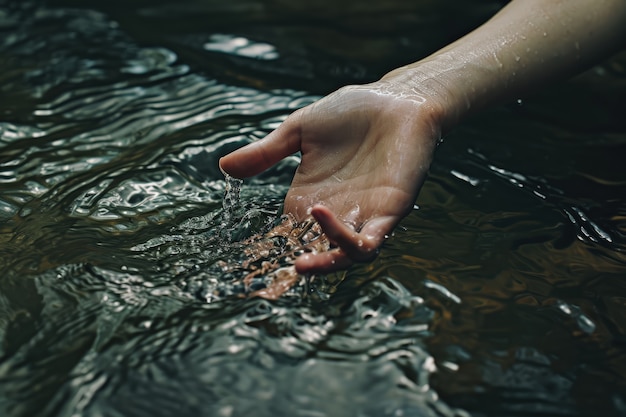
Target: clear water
(130,286)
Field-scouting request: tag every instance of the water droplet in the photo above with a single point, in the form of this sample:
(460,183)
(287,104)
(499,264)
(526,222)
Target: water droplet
(231,197)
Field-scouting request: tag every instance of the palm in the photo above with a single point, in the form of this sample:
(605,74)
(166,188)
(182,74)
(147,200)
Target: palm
(364,157)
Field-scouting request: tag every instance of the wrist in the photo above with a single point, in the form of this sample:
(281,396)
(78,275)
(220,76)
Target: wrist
(442,86)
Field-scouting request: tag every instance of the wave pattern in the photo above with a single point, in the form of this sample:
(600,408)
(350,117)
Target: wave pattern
(109,168)
(133,284)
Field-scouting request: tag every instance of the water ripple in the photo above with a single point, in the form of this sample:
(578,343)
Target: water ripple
(129,288)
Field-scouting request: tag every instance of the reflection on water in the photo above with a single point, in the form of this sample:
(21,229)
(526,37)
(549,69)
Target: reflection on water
(132,287)
(241,46)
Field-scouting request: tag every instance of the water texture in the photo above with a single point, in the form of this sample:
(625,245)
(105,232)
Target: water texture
(138,280)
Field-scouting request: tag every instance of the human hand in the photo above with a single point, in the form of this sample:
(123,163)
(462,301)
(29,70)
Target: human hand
(366,149)
(365,153)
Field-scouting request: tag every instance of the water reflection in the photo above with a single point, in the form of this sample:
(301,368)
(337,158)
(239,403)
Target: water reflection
(130,289)
(238,45)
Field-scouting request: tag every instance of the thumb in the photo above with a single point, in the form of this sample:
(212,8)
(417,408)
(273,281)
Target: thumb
(258,156)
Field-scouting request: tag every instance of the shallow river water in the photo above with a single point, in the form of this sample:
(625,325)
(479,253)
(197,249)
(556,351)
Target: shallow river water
(122,289)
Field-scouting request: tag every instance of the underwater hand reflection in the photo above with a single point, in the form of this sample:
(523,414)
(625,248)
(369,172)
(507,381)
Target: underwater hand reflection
(268,269)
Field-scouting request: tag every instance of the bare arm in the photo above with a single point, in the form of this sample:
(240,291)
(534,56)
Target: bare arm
(366,149)
(524,46)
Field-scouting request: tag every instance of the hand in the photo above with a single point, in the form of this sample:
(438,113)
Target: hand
(365,153)
(366,149)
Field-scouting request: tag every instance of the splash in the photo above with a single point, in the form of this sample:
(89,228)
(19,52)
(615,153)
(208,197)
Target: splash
(246,251)
(231,201)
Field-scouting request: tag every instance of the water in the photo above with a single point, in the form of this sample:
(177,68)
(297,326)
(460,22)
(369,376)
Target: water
(131,287)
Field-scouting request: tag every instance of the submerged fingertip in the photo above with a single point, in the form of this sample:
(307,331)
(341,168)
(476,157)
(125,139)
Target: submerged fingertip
(301,265)
(322,263)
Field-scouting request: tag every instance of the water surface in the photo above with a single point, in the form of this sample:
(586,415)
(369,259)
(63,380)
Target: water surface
(122,292)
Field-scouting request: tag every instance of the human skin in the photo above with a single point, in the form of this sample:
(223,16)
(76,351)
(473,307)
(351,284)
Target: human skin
(366,149)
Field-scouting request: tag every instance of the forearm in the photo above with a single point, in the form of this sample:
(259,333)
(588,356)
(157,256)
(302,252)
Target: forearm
(527,44)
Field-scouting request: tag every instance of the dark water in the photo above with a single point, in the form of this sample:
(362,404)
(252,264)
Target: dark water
(121,293)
